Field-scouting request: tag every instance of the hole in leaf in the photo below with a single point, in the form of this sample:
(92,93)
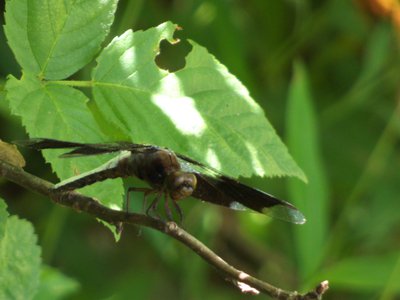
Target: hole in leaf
(172,56)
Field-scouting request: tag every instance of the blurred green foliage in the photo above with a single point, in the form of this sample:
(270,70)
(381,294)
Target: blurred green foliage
(345,110)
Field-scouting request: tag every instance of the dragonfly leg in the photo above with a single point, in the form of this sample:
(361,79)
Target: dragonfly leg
(153,205)
(135,189)
(178,209)
(145,197)
(167,208)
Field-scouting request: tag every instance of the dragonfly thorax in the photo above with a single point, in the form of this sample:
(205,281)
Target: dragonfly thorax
(162,170)
(155,167)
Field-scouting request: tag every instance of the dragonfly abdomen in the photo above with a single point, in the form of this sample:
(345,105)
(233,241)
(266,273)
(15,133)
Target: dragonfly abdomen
(111,169)
(85,179)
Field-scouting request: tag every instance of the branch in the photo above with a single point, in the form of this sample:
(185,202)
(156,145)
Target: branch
(79,202)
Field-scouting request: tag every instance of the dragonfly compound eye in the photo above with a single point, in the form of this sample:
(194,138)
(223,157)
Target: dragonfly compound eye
(181,185)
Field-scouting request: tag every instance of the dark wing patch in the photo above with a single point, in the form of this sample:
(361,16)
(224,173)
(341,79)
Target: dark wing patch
(39,143)
(214,187)
(85,149)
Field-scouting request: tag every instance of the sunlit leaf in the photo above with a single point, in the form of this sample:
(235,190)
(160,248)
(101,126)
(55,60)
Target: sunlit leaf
(55,38)
(201,110)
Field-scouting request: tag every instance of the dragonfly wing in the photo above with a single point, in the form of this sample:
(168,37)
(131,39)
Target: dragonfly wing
(214,187)
(233,194)
(95,149)
(39,144)
(84,149)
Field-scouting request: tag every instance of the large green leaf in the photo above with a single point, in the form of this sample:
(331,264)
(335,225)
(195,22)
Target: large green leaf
(61,112)
(19,257)
(55,38)
(201,110)
(311,198)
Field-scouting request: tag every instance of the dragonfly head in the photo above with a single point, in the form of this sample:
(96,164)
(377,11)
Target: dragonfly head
(181,184)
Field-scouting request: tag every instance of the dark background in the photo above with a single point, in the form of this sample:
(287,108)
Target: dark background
(350,50)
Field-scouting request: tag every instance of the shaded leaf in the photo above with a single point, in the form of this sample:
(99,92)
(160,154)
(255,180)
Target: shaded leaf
(19,257)
(366,273)
(311,198)
(55,285)
(3,218)
(377,48)
(61,112)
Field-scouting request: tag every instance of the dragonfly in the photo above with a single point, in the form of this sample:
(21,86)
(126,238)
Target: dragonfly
(170,175)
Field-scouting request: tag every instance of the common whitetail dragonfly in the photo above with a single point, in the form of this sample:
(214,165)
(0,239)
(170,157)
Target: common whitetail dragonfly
(169,174)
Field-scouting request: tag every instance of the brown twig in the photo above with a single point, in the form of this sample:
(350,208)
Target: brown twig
(79,202)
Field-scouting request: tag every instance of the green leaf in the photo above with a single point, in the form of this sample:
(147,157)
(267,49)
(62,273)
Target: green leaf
(55,285)
(55,38)
(3,218)
(311,199)
(365,274)
(19,257)
(61,112)
(201,110)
